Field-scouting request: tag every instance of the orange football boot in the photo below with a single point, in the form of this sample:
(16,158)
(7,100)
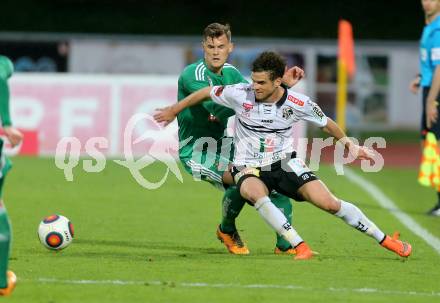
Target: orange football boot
(233,242)
(393,243)
(12,280)
(303,252)
(290,251)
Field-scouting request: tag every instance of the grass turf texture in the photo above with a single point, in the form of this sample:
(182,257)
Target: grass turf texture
(163,240)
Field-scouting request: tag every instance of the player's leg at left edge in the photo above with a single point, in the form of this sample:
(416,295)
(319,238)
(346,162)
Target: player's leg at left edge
(7,277)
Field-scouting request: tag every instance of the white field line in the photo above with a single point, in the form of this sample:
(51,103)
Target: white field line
(240,286)
(389,204)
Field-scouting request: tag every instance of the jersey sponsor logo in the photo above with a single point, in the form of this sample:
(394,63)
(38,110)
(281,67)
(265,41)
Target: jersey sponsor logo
(295,100)
(247,106)
(267,109)
(318,113)
(266,158)
(219,90)
(269,144)
(273,155)
(213,118)
(287,112)
(245,114)
(435,54)
(298,166)
(263,128)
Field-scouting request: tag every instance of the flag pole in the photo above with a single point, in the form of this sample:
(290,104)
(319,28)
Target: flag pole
(345,70)
(341,103)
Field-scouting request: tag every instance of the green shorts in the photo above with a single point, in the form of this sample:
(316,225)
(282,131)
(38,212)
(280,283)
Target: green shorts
(208,167)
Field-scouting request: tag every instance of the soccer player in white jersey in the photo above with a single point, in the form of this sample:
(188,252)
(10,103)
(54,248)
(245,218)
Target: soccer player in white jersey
(265,159)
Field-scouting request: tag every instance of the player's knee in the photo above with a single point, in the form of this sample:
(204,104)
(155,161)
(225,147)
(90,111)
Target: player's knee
(331,204)
(253,189)
(227,178)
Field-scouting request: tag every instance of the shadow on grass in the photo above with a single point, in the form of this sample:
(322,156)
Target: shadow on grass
(150,245)
(155,251)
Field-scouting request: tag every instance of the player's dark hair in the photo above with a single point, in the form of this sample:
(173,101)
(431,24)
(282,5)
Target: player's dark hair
(215,30)
(270,62)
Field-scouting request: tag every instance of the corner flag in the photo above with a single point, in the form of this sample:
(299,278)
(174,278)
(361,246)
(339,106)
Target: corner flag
(346,66)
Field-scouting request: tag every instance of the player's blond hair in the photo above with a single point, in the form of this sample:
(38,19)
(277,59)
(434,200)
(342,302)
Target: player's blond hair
(215,30)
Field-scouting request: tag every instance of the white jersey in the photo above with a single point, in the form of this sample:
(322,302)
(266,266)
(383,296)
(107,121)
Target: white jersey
(264,131)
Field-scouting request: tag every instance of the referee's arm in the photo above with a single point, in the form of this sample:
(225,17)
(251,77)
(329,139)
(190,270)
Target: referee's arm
(431,100)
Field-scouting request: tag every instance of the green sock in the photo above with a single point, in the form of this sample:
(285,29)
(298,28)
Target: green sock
(5,240)
(284,204)
(232,205)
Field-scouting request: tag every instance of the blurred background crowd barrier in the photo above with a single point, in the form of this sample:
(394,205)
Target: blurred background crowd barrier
(89,85)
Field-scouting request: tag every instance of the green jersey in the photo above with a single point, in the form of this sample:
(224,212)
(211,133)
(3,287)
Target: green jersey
(207,119)
(6,70)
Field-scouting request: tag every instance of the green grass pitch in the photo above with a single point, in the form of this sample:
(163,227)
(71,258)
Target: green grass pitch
(138,245)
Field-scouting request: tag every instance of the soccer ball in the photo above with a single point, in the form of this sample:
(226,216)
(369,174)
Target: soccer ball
(55,232)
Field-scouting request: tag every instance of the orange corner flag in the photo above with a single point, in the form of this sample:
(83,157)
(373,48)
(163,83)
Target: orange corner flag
(346,46)
(346,67)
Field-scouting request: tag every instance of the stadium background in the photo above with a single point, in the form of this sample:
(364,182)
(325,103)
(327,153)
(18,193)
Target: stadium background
(158,38)
(393,20)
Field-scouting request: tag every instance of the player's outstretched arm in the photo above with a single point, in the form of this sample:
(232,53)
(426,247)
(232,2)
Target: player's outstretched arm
(168,114)
(359,152)
(292,76)
(14,135)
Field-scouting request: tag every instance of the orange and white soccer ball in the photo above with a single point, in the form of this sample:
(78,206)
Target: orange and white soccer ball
(55,232)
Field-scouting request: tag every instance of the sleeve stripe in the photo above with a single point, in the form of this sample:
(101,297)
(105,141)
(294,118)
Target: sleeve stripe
(197,71)
(196,167)
(202,73)
(230,66)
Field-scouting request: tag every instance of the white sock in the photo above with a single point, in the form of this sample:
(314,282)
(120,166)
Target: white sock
(355,217)
(276,219)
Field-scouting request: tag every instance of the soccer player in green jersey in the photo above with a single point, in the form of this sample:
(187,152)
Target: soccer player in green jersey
(7,277)
(209,120)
